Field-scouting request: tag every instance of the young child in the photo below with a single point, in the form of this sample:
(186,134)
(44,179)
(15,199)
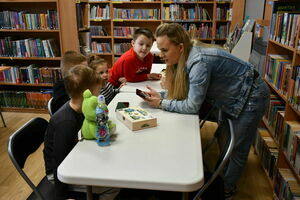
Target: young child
(135,64)
(100,66)
(61,134)
(60,96)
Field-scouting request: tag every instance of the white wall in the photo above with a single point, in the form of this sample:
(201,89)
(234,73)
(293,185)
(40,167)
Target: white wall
(254,9)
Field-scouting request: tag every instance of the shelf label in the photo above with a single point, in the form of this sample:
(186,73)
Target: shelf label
(117,2)
(77,1)
(168,2)
(118,20)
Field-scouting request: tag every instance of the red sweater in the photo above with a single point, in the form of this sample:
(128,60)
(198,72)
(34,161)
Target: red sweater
(130,67)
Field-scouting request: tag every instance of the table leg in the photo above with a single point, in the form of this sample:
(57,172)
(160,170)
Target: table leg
(89,193)
(185,196)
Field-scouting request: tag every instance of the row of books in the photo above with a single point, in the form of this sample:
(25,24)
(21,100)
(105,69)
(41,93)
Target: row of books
(121,48)
(32,21)
(274,116)
(224,13)
(203,30)
(153,14)
(29,47)
(24,99)
(294,99)
(286,185)
(179,12)
(267,151)
(279,72)
(223,31)
(284,28)
(225,1)
(30,74)
(100,12)
(98,31)
(100,47)
(276,106)
(124,31)
(291,143)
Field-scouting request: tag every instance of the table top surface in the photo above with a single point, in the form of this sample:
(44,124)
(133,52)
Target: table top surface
(166,157)
(155,84)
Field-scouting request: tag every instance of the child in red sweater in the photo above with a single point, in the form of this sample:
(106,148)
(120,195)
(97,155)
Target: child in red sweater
(135,64)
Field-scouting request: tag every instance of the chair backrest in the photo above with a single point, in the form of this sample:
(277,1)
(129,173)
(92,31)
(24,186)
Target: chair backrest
(225,133)
(25,141)
(49,106)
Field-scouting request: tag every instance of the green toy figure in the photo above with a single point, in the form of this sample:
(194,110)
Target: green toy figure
(90,128)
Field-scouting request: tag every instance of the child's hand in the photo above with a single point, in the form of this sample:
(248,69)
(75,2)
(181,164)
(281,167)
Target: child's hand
(122,80)
(154,76)
(122,85)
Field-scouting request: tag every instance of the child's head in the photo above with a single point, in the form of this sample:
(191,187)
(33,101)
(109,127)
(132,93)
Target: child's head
(142,42)
(70,59)
(81,77)
(100,66)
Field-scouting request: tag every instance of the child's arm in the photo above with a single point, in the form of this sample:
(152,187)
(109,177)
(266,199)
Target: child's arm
(154,76)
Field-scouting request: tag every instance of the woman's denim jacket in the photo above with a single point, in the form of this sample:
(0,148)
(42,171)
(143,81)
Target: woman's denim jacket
(215,75)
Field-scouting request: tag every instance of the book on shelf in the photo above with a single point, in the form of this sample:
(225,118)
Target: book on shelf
(25,99)
(18,20)
(285,23)
(267,151)
(291,133)
(30,74)
(275,64)
(29,47)
(286,185)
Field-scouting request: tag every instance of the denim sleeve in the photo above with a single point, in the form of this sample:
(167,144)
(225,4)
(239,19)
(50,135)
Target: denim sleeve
(198,83)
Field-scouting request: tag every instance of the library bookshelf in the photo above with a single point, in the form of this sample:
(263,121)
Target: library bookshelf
(278,141)
(106,27)
(30,53)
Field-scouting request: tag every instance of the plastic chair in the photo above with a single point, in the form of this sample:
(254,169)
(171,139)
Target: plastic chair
(225,134)
(49,106)
(21,144)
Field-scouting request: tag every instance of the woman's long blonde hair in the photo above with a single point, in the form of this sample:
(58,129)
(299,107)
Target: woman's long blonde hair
(176,76)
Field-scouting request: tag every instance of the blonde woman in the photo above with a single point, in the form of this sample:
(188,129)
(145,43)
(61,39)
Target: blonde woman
(198,72)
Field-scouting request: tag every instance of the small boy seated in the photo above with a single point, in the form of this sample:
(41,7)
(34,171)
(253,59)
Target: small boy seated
(135,64)
(62,132)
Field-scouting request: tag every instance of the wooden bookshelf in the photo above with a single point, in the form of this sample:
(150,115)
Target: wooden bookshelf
(283,42)
(215,24)
(35,42)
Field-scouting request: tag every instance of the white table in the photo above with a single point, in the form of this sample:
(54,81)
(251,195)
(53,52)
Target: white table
(131,87)
(166,157)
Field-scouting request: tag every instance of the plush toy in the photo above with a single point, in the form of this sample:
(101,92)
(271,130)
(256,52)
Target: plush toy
(96,124)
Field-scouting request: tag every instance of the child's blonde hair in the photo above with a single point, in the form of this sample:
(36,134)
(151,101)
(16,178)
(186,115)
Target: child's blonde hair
(95,60)
(79,78)
(70,59)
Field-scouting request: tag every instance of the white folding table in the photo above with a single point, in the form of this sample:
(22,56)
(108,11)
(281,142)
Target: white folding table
(167,157)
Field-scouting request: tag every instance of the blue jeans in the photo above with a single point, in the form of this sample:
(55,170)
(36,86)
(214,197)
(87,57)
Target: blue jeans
(245,128)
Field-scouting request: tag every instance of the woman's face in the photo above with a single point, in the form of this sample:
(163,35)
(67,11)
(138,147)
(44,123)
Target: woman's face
(169,52)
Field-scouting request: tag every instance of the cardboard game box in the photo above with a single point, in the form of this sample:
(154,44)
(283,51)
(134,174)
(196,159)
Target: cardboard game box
(136,118)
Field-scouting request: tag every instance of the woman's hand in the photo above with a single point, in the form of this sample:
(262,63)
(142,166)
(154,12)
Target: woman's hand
(152,92)
(154,76)
(154,98)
